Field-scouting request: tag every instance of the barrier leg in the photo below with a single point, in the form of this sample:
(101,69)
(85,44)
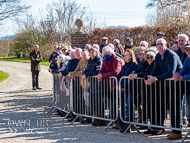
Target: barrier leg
(74,119)
(184,137)
(51,112)
(127,129)
(136,129)
(51,104)
(65,117)
(109,125)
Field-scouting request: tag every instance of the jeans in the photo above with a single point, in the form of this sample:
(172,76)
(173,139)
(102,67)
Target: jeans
(128,99)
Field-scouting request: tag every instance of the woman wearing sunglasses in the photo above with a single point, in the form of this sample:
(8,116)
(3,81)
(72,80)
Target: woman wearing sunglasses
(147,65)
(144,70)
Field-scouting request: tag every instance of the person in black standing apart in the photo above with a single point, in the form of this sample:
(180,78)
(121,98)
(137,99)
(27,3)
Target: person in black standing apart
(35,58)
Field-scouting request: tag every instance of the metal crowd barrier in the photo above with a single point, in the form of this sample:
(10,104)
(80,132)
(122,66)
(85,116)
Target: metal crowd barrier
(159,105)
(61,95)
(95,99)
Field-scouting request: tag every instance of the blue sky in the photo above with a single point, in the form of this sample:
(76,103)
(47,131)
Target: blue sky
(130,13)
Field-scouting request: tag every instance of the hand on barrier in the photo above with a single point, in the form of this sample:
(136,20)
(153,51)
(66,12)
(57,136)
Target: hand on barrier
(69,74)
(150,80)
(132,76)
(177,77)
(59,75)
(99,77)
(83,76)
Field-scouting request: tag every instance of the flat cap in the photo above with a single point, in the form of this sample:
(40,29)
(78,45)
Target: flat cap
(160,33)
(104,38)
(187,45)
(129,40)
(176,41)
(64,47)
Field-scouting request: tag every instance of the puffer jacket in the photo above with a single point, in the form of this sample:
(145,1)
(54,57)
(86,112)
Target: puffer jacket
(113,68)
(70,67)
(92,69)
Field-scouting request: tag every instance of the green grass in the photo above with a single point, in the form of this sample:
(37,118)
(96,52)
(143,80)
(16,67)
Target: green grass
(3,76)
(44,62)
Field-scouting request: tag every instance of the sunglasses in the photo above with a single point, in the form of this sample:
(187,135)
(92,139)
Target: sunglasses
(149,58)
(159,44)
(187,50)
(103,40)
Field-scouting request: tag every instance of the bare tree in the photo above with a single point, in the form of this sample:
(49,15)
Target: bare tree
(60,19)
(163,3)
(173,13)
(11,8)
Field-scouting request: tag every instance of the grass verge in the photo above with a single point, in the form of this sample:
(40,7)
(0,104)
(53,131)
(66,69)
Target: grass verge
(3,76)
(44,62)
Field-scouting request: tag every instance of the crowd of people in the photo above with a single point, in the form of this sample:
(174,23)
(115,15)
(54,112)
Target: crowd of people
(155,63)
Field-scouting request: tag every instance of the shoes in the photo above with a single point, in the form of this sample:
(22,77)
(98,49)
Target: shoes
(99,123)
(117,127)
(62,114)
(154,132)
(34,88)
(59,112)
(174,136)
(88,120)
(143,127)
(148,131)
(123,129)
(104,123)
(157,132)
(72,118)
(38,88)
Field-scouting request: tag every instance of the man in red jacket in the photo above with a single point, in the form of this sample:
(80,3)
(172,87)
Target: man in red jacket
(112,66)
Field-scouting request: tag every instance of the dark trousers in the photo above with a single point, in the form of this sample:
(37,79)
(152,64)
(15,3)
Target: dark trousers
(35,75)
(145,100)
(78,100)
(127,105)
(158,106)
(160,101)
(175,105)
(96,105)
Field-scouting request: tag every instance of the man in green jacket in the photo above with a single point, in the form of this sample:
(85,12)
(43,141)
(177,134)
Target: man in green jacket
(35,58)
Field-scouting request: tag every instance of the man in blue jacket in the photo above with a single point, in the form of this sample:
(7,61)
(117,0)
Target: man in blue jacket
(185,75)
(167,63)
(182,41)
(72,64)
(104,43)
